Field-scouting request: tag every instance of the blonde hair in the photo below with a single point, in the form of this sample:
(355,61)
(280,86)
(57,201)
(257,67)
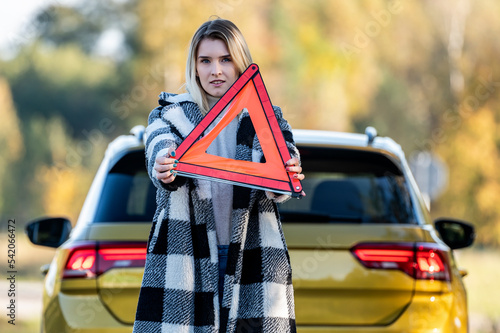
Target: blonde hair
(226,31)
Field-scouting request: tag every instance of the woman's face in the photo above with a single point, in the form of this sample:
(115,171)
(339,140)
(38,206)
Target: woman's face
(215,67)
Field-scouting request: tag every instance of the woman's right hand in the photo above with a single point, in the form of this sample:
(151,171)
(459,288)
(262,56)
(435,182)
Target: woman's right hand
(164,167)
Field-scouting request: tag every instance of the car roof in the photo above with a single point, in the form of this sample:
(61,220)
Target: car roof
(348,140)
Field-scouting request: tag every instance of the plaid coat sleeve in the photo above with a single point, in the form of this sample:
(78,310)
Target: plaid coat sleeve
(166,129)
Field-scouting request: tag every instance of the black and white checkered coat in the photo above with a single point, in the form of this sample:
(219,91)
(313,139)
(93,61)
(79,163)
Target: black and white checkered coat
(180,286)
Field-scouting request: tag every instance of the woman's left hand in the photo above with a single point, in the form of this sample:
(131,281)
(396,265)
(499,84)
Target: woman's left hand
(292,165)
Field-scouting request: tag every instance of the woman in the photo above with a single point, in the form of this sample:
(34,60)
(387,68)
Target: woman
(217,259)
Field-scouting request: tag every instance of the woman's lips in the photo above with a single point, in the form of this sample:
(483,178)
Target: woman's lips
(217,83)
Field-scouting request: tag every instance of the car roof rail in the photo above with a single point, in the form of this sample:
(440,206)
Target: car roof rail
(371,133)
(138,132)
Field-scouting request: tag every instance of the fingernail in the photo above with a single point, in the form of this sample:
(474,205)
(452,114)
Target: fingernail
(176,161)
(174,173)
(172,153)
(175,164)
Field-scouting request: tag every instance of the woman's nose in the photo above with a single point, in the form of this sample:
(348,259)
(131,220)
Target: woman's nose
(216,69)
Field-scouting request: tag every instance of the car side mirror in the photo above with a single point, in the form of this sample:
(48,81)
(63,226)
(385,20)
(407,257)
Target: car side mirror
(51,232)
(456,234)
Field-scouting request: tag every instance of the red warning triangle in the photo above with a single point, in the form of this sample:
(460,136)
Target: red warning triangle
(247,92)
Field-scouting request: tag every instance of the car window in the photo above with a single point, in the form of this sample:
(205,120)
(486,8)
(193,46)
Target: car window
(349,186)
(342,186)
(128,194)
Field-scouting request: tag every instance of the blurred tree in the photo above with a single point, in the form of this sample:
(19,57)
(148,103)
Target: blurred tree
(11,143)
(65,181)
(97,27)
(468,133)
(410,55)
(65,83)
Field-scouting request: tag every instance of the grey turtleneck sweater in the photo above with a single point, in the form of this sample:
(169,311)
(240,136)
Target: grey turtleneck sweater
(224,145)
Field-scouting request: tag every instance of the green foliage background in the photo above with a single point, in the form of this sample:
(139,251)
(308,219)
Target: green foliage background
(422,72)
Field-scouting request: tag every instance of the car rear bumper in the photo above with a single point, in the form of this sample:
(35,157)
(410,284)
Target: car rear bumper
(427,313)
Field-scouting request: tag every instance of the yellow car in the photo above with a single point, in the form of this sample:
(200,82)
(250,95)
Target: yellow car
(365,255)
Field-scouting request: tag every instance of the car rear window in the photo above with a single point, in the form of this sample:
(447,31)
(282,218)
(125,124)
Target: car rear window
(342,186)
(128,194)
(349,186)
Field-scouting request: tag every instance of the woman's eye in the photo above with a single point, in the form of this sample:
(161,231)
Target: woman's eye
(204,61)
(226,59)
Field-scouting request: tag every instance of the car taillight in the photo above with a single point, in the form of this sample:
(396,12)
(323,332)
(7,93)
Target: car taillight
(92,259)
(432,263)
(81,262)
(423,261)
